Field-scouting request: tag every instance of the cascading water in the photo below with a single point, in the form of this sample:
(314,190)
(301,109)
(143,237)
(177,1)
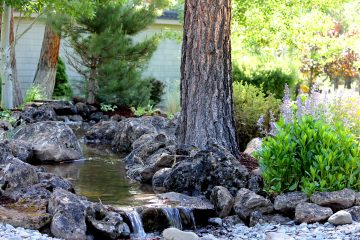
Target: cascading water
(136,224)
(173,215)
(189,216)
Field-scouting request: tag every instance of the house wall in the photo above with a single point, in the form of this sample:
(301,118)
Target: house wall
(164,65)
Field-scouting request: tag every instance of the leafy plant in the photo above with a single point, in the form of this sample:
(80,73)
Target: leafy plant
(34,93)
(310,155)
(107,107)
(141,111)
(270,80)
(6,115)
(250,103)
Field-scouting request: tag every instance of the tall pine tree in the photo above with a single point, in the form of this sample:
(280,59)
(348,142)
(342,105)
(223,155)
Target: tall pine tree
(107,56)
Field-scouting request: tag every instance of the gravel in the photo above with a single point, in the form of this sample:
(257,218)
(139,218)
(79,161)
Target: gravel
(8,232)
(303,231)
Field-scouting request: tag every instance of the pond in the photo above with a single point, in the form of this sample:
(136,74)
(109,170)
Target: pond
(101,176)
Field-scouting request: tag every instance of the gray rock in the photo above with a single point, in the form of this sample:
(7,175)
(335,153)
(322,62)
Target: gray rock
(180,200)
(355,213)
(311,213)
(255,183)
(133,128)
(212,167)
(176,234)
(222,200)
(336,200)
(159,178)
(22,150)
(287,202)
(33,114)
(107,224)
(52,141)
(16,175)
(253,146)
(247,201)
(102,132)
(340,218)
(216,222)
(357,199)
(69,215)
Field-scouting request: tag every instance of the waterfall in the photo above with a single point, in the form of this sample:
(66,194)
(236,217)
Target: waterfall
(189,216)
(173,215)
(136,224)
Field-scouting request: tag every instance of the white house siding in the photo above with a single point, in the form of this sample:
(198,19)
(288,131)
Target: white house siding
(164,65)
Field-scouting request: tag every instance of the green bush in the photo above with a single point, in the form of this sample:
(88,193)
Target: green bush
(62,88)
(35,92)
(271,80)
(250,103)
(310,155)
(157,90)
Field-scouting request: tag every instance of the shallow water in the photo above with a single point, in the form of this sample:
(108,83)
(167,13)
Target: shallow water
(101,176)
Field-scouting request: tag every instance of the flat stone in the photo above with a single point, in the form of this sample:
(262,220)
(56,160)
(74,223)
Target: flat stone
(311,213)
(247,202)
(176,234)
(287,202)
(340,218)
(337,200)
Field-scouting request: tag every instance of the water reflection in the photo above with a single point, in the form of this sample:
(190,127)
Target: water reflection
(102,177)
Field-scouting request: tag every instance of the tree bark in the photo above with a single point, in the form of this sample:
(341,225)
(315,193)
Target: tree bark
(46,71)
(206,84)
(18,97)
(5,68)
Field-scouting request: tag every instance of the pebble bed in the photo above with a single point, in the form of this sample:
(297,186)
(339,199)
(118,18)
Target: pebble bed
(8,232)
(289,231)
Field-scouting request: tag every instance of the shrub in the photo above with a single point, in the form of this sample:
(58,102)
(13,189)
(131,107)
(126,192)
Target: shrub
(310,155)
(157,90)
(271,80)
(250,103)
(62,88)
(34,93)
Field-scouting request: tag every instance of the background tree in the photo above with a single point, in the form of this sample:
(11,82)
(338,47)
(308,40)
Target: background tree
(206,84)
(106,54)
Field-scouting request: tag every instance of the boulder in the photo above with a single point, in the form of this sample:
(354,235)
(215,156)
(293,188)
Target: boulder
(63,107)
(287,202)
(340,218)
(253,146)
(159,178)
(68,215)
(311,213)
(133,128)
(183,201)
(33,114)
(26,214)
(107,224)
(255,183)
(22,150)
(176,234)
(257,217)
(102,132)
(247,201)
(217,222)
(51,141)
(214,166)
(16,175)
(355,213)
(222,200)
(98,116)
(336,200)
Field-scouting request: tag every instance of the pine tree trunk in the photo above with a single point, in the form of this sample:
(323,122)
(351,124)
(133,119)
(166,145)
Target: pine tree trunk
(92,86)
(206,84)
(46,70)
(18,97)
(5,68)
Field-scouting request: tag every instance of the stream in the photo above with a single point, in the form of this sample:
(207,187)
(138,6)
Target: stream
(101,176)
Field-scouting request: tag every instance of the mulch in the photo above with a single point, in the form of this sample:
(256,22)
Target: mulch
(248,161)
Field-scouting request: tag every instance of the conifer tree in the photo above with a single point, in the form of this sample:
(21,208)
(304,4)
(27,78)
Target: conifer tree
(106,54)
